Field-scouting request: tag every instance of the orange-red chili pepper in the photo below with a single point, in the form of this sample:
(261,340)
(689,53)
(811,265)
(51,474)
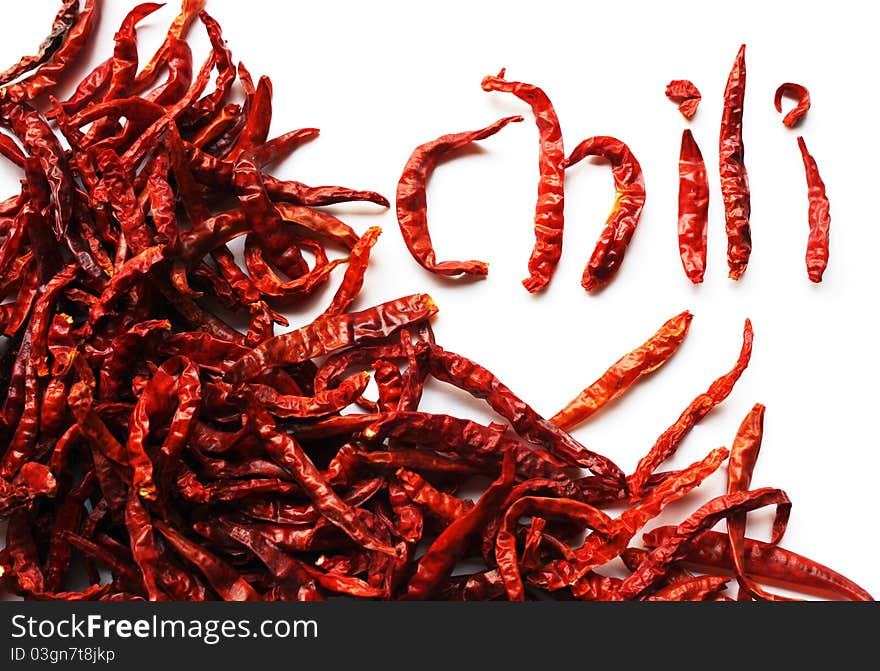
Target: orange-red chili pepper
(625,372)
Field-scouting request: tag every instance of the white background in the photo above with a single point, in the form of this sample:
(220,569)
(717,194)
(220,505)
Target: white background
(380,78)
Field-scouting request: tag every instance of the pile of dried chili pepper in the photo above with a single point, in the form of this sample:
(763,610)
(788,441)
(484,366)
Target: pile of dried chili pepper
(152,447)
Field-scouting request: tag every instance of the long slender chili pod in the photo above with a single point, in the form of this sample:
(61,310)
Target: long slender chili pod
(819,216)
(693,208)
(412,204)
(628,203)
(732,167)
(549,216)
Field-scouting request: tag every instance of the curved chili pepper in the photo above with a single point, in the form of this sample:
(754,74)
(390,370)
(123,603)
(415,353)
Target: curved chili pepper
(800,110)
(412,202)
(625,372)
(61,25)
(628,202)
(693,208)
(732,168)
(668,442)
(700,588)
(819,217)
(766,562)
(549,218)
(686,95)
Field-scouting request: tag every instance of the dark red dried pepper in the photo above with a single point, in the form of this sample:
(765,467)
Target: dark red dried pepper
(549,210)
(732,168)
(412,202)
(687,96)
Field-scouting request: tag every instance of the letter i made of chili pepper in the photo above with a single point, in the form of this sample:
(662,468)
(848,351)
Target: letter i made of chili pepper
(732,168)
(693,208)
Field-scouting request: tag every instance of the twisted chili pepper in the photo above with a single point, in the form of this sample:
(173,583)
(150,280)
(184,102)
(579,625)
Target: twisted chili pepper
(628,203)
(693,208)
(412,201)
(549,216)
(800,110)
(732,168)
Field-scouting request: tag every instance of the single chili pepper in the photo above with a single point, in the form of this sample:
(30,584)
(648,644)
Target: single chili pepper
(437,563)
(734,178)
(323,403)
(800,110)
(668,442)
(686,95)
(693,208)
(189,10)
(766,562)
(549,217)
(628,203)
(819,217)
(743,455)
(412,201)
(143,544)
(625,372)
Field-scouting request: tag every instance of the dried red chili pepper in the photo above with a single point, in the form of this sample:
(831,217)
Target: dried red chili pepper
(800,110)
(686,95)
(732,168)
(819,217)
(412,202)
(765,562)
(549,218)
(628,202)
(625,372)
(668,442)
(693,208)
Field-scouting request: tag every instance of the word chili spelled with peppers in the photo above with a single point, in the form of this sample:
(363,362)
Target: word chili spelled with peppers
(152,447)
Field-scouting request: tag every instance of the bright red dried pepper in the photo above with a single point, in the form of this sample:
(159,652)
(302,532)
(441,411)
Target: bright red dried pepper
(732,168)
(625,372)
(687,96)
(800,110)
(412,202)
(819,217)
(549,210)
(629,200)
(693,208)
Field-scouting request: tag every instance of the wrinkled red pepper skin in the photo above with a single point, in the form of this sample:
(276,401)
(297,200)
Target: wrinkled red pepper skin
(693,208)
(800,110)
(819,217)
(549,210)
(629,200)
(732,168)
(412,200)
(686,94)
